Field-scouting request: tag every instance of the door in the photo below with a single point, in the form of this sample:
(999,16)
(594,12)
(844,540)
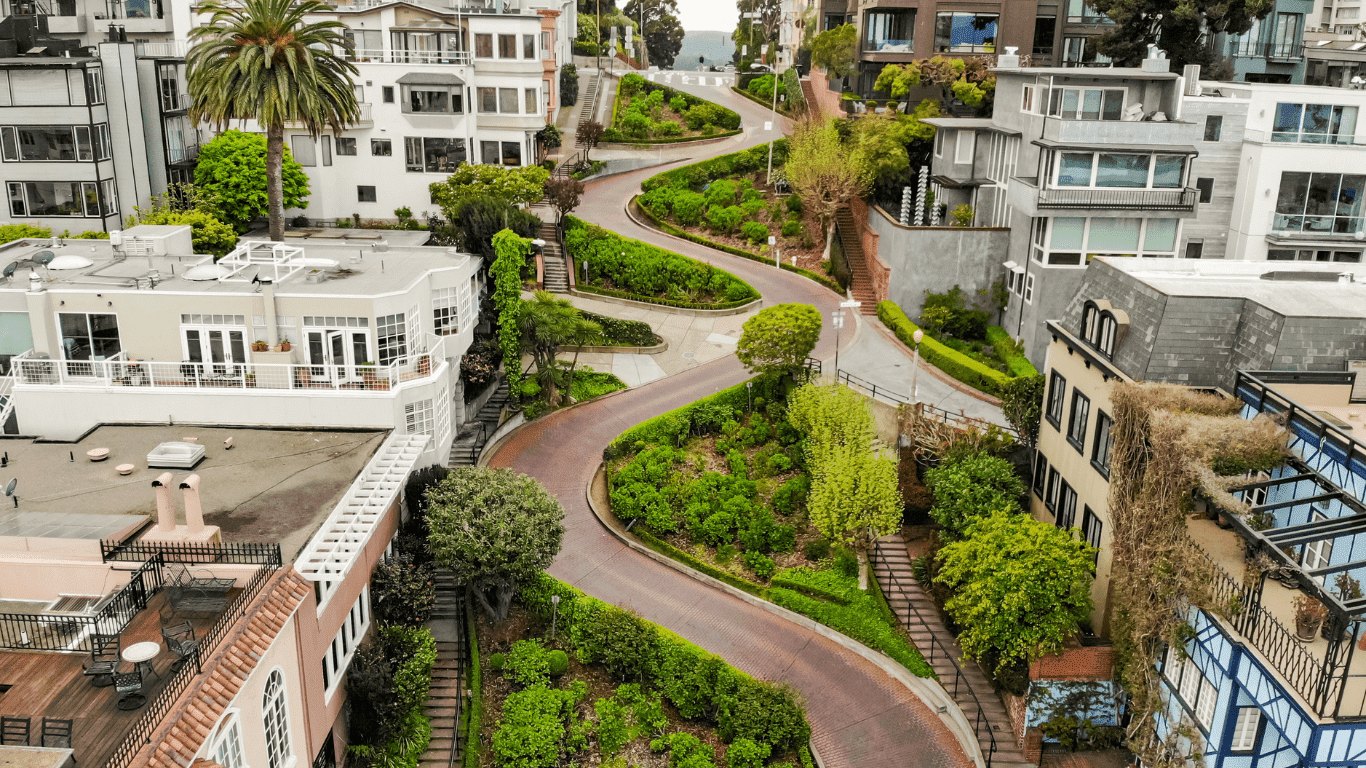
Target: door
(334,357)
(1317,553)
(218,352)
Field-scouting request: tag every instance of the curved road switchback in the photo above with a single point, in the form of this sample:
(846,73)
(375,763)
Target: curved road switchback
(861,717)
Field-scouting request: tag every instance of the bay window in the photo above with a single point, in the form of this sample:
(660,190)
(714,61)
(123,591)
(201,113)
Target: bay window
(54,143)
(1064,240)
(88,199)
(433,155)
(1087,103)
(448,99)
(1320,202)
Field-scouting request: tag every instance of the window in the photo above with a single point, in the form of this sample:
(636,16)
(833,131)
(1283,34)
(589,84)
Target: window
(1100,450)
(227,748)
(1040,470)
(1081,51)
(1113,170)
(1314,124)
(1076,423)
(343,647)
(1214,127)
(53,143)
(88,336)
(433,155)
(365,194)
(327,150)
(275,713)
(1067,505)
(1196,692)
(545,44)
(1050,499)
(1307,254)
(60,198)
(445,313)
(302,147)
(1320,202)
(1204,705)
(418,417)
(446,99)
(109,200)
(1057,390)
(507,46)
(381,147)
(889,29)
(533,104)
(962,149)
(94,85)
(1244,730)
(346,147)
(1091,527)
(214,339)
(387,94)
(1045,31)
(965,32)
(501,153)
(1087,103)
(1195,247)
(426,47)
(497,100)
(938,143)
(1206,187)
(104,148)
(528,46)
(1073,241)
(483,46)
(1080,12)
(393,342)
(1029,289)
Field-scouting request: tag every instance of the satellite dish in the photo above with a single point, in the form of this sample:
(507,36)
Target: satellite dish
(9,270)
(44,257)
(11,485)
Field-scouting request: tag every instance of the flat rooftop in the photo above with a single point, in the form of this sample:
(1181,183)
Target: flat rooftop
(351,262)
(1083,73)
(273,486)
(1289,288)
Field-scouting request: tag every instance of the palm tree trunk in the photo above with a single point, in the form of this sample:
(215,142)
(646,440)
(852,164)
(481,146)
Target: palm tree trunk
(275,183)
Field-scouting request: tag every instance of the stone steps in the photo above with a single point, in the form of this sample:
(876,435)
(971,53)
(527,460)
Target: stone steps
(444,698)
(474,434)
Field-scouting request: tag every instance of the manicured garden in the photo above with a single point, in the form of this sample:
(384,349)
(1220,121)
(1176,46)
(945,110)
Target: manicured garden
(729,203)
(790,100)
(648,112)
(629,269)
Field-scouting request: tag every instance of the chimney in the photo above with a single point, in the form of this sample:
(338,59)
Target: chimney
(194,513)
(1010,59)
(165,506)
(268,295)
(1157,60)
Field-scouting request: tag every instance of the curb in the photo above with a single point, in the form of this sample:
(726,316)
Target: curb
(698,142)
(508,429)
(929,692)
(740,310)
(938,374)
(656,349)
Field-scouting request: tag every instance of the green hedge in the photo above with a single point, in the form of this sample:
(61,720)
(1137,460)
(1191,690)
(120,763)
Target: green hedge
(784,107)
(781,582)
(725,114)
(476,686)
(670,551)
(1019,365)
(796,100)
(950,361)
(695,175)
(671,426)
(859,623)
(680,140)
(665,226)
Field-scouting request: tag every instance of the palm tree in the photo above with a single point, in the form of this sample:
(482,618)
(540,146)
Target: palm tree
(547,323)
(262,60)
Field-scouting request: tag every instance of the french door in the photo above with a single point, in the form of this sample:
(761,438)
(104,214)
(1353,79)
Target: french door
(222,351)
(336,354)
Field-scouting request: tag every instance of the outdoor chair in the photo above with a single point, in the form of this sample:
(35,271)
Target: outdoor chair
(180,640)
(129,687)
(56,733)
(104,659)
(14,731)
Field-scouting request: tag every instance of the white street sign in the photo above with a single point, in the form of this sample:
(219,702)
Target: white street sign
(768,125)
(772,240)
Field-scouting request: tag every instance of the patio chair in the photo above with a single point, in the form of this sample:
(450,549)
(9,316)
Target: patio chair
(14,731)
(104,659)
(180,640)
(129,687)
(56,733)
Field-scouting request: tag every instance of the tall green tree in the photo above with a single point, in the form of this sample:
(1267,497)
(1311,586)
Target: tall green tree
(231,172)
(506,271)
(1022,405)
(1185,29)
(1020,587)
(511,185)
(495,530)
(970,486)
(262,60)
(548,323)
(778,339)
(835,51)
(752,33)
(821,170)
(662,32)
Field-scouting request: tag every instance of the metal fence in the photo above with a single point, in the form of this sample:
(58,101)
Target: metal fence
(189,552)
(72,631)
(955,420)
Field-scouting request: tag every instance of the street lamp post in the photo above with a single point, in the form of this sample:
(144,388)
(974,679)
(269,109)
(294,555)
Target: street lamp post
(554,614)
(838,316)
(915,365)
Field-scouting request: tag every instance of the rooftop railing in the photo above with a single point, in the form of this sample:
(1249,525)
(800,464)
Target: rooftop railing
(1184,199)
(390,56)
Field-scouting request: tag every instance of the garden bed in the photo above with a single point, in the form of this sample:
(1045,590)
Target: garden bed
(629,269)
(654,113)
(618,694)
(980,365)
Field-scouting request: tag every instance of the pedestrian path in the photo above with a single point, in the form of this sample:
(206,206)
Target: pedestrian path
(446,703)
(963,679)
(671,77)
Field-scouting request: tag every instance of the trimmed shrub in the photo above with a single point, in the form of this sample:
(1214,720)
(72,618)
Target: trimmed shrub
(755,232)
(1009,351)
(792,228)
(497,662)
(950,361)
(559,663)
(724,219)
(528,663)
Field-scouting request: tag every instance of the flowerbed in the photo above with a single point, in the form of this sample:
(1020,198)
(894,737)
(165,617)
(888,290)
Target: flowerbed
(619,266)
(614,690)
(957,363)
(646,111)
(623,333)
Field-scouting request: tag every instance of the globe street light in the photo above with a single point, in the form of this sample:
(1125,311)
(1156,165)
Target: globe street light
(915,365)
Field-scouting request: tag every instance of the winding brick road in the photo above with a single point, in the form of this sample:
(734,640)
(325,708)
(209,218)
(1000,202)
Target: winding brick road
(860,716)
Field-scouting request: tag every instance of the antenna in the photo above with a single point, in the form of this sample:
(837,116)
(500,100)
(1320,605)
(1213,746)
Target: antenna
(9,490)
(44,258)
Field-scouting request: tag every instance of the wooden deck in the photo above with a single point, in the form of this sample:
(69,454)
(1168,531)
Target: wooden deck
(50,684)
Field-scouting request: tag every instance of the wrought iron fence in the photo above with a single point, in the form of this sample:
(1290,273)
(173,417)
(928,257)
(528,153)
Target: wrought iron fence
(1127,199)
(190,552)
(955,420)
(71,632)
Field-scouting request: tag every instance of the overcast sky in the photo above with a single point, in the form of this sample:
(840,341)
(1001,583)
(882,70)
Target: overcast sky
(703,15)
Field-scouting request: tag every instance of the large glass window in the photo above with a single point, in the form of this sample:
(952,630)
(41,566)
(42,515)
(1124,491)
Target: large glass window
(1087,103)
(434,98)
(1320,202)
(89,336)
(1045,28)
(433,154)
(445,312)
(1081,52)
(889,30)
(1079,11)
(60,198)
(425,47)
(1314,124)
(51,143)
(965,32)
(392,334)
(1120,170)
(275,717)
(1313,254)
(1074,241)
(1115,170)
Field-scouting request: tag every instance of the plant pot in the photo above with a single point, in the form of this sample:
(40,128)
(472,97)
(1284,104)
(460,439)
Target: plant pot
(1305,632)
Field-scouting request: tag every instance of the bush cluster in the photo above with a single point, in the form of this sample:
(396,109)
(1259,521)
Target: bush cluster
(648,273)
(701,417)
(950,361)
(639,112)
(623,333)
(387,687)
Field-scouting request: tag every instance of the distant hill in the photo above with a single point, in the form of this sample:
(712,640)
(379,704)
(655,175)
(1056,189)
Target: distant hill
(715,46)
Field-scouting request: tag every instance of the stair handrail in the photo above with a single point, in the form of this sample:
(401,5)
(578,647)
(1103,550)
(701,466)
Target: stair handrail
(936,643)
(460,672)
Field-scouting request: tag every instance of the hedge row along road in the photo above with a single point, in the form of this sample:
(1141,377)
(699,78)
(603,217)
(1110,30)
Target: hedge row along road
(860,716)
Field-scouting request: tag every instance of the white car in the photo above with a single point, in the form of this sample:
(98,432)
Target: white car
(728,68)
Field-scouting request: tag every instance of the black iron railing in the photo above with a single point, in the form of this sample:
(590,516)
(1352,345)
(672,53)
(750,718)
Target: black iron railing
(955,420)
(71,631)
(980,725)
(1293,49)
(190,552)
(1121,199)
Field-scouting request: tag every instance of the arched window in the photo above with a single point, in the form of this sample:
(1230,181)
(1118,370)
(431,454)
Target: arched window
(1089,325)
(1100,326)
(275,714)
(227,745)
(1106,341)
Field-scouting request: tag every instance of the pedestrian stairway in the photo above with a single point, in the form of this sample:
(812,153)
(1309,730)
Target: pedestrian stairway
(556,274)
(475,433)
(446,705)
(860,279)
(963,680)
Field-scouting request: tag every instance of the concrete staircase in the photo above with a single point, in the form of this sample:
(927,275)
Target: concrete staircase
(556,274)
(445,703)
(919,616)
(860,279)
(475,433)
(588,100)
(809,93)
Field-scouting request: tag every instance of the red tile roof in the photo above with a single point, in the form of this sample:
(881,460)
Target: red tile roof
(174,743)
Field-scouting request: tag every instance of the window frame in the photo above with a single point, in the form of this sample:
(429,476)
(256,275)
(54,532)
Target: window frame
(275,720)
(1066,514)
(1206,186)
(445,311)
(965,143)
(455,99)
(1245,741)
(360,193)
(391,338)
(386,144)
(1057,399)
(1094,178)
(507,45)
(1043,252)
(938,143)
(1214,124)
(417,147)
(229,735)
(983,47)
(1103,443)
(1038,483)
(1077,427)
(1053,491)
(346,146)
(1092,528)
(1058,100)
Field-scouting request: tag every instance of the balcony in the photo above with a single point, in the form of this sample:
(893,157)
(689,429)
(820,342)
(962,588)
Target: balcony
(182,154)
(1098,133)
(388,56)
(1284,51)
(887,46)
(1184,199)
(1341,229)
(174,49)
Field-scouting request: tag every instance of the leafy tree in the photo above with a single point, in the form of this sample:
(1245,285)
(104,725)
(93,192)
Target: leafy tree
(551,137)
(564,193)
(208,234)
(1185,29)
(512,250)
(588,135)
(970,486)
(1022,404)
(494,529)
(232,171)
(968,80)
(1020,587)
(569,85)
(11,232)
(835,51)
(755,32)
(478,219)
(260,59)
(777,340)
(547,323)
(403,591)
(662,32)
(523,185)
(822,171)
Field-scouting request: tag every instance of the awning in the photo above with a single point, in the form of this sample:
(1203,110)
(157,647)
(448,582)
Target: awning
(952,183)
(430,78)
(1165,149)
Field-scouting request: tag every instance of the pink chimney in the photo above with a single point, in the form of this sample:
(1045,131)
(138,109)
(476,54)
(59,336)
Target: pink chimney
(165,505)
(194,512)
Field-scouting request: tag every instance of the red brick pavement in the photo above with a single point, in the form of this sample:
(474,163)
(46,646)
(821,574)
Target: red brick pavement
(860,716)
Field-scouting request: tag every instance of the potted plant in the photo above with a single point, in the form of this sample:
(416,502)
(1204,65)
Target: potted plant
(1310,614)
(260,346)
(284,344)
(368,373)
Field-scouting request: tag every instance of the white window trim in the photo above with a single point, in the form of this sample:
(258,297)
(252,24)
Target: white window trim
(1081,99)
(1095,169)
(1245,728)
(964,144)
(446,300)
(939,142)
(230,722)
(286,758)
(342,649)
(1040,253)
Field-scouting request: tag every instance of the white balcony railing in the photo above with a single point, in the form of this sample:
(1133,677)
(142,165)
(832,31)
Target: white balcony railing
(387,56)
(119,371)
(171,49)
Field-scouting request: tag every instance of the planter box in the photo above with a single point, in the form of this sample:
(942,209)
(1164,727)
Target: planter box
(272,358)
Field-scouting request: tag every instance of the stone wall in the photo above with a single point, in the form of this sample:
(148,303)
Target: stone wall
(827,101)
(879,273)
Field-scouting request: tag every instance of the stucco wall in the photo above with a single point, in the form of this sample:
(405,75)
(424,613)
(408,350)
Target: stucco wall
(937,258)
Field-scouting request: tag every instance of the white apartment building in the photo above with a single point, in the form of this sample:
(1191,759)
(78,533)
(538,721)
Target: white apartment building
(145,332)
